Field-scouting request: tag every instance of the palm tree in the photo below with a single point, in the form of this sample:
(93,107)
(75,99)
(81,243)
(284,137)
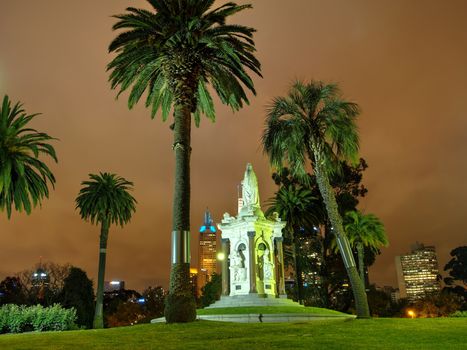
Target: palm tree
(24,177)
(173,53)
(105,200)
(364,231)
(313,123)
(293,204)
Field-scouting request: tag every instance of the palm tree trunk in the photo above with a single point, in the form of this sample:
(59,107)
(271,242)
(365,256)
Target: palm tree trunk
(361,263)
(98,314)
(361,303)
(180,305)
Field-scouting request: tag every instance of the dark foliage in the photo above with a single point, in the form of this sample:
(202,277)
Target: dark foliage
(12,291)
(440,304)
(211,291)
(456,282)
(379,302)
(330,285)
(78,292)
(127,314)
(154,299)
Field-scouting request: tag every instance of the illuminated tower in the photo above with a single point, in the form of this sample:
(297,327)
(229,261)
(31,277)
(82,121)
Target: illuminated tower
(417,272)
(207,250)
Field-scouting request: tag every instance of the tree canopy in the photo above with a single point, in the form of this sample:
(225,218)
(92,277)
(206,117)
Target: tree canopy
(24,178)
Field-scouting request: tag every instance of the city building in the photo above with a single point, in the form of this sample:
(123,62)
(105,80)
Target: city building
(113,286)
(207,251)
(194,282)
(417,272)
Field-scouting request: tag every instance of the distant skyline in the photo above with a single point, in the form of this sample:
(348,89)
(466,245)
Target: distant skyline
(402,61)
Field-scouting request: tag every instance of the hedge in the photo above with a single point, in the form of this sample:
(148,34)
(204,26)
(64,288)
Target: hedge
(18,319)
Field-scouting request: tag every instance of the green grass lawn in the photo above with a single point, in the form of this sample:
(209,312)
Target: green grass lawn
(441,333)
(268,310)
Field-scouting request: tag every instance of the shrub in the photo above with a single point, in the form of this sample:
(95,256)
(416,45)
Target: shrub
(18,319)
(459,314)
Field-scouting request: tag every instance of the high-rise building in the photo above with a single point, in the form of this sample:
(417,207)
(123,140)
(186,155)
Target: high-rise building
(194,276)
(207,251)
(417,272)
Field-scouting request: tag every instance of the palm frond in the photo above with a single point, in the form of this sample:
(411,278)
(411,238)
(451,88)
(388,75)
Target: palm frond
(209,51)
(24,178)
(311,118)
(106,198)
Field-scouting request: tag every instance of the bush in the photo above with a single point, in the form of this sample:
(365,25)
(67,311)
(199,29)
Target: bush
(18,319)
(459,314)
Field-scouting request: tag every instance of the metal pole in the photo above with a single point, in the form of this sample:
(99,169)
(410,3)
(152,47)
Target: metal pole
(180,247)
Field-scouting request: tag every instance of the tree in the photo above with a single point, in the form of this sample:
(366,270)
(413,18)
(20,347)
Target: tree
(456,282)
(12,291)
(24,178)
(314,123)
(174,52)
(364,231)
(105,200)
(154,302)
(128,313)
(294,205)
(48,293)
(325,278)
(78,292)
(441,304)
(379,302)
(212,290)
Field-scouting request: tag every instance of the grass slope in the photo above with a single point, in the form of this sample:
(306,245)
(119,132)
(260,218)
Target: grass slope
(441,333)
(268,310)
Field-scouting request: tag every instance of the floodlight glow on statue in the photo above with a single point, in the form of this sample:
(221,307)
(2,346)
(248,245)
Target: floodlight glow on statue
(254,271)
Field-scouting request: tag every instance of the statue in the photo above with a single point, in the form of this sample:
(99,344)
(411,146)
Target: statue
(236,265)
(268,266)
(250,191)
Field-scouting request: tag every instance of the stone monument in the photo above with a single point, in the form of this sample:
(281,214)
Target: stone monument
(253,268)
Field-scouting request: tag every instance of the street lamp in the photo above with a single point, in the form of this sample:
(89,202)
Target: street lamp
(220,256)
(411,313)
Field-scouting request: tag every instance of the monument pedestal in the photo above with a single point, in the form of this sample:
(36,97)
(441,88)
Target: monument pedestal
(252,300)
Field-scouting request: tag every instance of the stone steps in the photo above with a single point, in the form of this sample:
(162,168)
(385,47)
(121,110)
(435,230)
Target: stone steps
(251,300)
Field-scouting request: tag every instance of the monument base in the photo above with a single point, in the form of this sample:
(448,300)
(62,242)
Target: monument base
(252,300)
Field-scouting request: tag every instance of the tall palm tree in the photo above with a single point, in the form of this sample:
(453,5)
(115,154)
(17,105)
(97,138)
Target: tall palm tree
(293,204)
(364,231)
(105,200)
(173,53)
(24,178)
(313,123)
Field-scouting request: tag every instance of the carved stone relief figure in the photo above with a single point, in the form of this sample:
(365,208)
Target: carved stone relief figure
(268,266)
(237,267)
